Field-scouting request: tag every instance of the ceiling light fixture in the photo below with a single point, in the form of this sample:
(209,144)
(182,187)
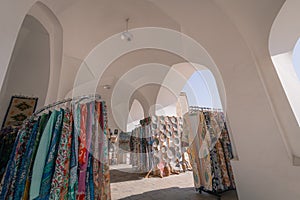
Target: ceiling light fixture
(106,87)
(126,35)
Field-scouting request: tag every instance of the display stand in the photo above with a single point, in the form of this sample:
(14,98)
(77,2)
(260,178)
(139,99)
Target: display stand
(215,193)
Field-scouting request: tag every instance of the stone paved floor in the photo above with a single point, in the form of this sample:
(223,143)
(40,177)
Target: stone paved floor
(126,185)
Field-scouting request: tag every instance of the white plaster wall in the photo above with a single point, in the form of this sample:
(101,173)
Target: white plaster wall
(29,67)
(50,22)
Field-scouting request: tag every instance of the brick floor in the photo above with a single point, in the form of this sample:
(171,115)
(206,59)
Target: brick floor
(127,185)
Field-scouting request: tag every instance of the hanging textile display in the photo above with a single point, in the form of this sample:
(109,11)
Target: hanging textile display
(156,146)
(140,147)
(124,148)
(61,154)
(209,149)
(20,108)
(7,138)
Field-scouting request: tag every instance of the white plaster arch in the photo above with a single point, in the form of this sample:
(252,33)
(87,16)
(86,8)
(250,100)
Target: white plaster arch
(48,19)
(285,29)
(136,113)
(187,70)
(284,33)
(138,96)
(11,23)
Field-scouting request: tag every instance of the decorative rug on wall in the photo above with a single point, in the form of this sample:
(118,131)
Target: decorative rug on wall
(20,107)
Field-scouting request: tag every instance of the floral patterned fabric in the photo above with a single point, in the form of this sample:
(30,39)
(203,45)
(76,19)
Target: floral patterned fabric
(60,179)
(9,177)
(23,171)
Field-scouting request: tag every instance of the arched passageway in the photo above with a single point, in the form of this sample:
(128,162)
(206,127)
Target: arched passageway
(235,34)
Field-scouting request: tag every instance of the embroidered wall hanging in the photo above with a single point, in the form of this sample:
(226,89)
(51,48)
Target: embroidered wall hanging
(19,109)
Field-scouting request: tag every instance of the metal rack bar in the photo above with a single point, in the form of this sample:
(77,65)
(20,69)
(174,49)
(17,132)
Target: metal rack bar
(193,109)
(80,98)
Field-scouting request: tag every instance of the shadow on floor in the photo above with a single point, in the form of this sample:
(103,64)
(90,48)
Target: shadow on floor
(176,193)
(121,176)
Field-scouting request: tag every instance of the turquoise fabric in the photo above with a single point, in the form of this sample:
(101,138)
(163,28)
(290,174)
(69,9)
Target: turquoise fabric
(42,152)
(51,158)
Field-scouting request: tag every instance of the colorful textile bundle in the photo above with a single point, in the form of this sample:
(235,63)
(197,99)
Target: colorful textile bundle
(61,155)
(140,147)
(210,150)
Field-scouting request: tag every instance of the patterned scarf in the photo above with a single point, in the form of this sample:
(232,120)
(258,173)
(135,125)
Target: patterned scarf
(43,121)
(60,180)
(23,172)
(51,158)
(73,180)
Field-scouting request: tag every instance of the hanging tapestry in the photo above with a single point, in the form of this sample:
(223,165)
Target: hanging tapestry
(19,109)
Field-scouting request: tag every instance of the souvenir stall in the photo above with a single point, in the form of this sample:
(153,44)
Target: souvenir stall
(61,152)
(156,146)
(210,150)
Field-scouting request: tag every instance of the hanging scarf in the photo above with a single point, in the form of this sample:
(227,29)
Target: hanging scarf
(73,180)
(11,165)
(60,179)
(16,161)
(83,153)
(23,171)
(96,152)
(105,176)
(50,160)
(42,125)
(90,143)
(7,139)
(41,155)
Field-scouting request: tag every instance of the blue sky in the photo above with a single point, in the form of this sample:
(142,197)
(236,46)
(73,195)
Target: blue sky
(201,90)
(296,58)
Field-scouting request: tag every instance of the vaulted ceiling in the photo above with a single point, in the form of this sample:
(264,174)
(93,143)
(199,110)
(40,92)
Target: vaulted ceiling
(213,24)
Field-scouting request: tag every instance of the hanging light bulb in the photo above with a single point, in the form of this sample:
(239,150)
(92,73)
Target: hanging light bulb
(126,35)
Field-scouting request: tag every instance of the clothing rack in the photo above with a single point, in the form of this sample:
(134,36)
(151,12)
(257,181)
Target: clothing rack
(213,190)
(80,98)
(33,170)
(193,109)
